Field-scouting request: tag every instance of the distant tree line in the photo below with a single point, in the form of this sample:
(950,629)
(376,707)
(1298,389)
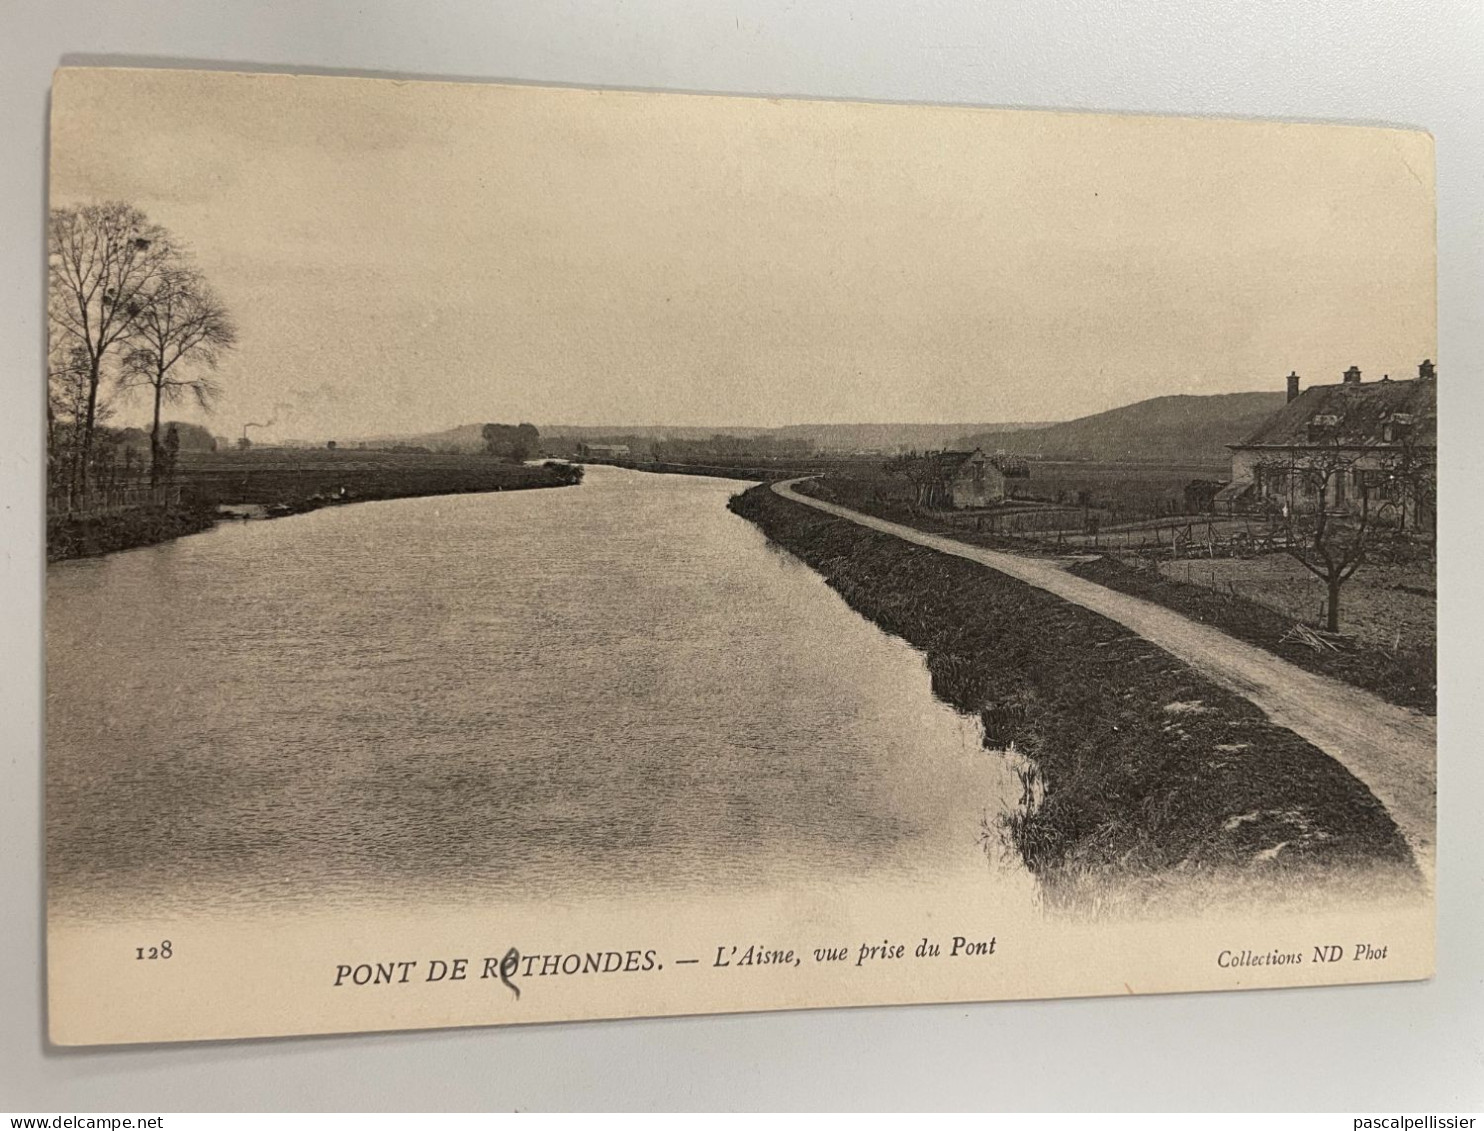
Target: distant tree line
(128,311)
(513,442)
(718,446)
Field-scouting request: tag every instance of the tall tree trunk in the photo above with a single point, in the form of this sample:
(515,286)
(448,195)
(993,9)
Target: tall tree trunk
(154,435)
(94,377)
(73,450)
(1332,611)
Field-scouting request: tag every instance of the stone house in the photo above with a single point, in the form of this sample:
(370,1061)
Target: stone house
(1347,447)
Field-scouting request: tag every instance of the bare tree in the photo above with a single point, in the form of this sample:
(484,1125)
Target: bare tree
(67,392)
(102,260)
(1411,475)
(177,338)
(1329,511)
(923,472)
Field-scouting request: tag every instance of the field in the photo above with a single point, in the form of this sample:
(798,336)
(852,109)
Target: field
(1388,614)
(291,476)
(1384,605)
(764,468)
(1058,502)
(1120,492)
(289,481)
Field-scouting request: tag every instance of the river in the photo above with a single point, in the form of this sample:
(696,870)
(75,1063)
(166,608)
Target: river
(612,689)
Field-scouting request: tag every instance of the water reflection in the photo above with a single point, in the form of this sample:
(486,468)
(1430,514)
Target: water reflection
(551,694)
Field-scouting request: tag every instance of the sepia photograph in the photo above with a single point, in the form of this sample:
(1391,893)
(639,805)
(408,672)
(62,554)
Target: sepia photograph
(526,553)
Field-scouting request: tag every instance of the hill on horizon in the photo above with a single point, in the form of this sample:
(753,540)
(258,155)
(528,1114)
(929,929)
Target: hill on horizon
(887,437)
(1172,429)
(1181,428)
(825,437)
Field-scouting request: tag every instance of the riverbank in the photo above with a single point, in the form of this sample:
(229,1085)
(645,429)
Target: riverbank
(106,534)
(274,488)
(1138,770)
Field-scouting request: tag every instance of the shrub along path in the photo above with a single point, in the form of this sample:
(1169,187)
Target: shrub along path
(1391,750)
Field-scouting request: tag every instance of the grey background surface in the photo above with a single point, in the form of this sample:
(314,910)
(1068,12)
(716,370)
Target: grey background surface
(1379,1048)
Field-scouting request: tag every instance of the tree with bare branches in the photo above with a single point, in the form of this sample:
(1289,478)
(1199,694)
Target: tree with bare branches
(102,260)
(1411,473)
(67,395)
(177,338)
(1329,512)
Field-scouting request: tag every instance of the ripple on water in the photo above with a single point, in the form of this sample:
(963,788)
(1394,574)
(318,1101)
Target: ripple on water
(615,687)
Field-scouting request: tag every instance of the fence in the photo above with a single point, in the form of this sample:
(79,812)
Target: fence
(1030,522)
(1212,538)
(1180,537)
(95,504)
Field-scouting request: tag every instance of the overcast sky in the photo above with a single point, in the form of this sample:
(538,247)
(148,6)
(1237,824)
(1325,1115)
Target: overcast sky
(405,257)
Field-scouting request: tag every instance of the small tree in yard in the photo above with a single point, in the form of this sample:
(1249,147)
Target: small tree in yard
(1326,535)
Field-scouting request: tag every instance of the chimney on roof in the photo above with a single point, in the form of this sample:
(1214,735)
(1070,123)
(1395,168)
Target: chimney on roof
(1293,389)
(1427,371)
(1352,375)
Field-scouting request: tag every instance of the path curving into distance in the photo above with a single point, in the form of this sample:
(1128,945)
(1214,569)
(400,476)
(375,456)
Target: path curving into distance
(1392,750)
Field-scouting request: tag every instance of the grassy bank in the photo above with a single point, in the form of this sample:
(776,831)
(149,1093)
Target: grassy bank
(106,534)
(1140,769)
(289,482)
(1404,673)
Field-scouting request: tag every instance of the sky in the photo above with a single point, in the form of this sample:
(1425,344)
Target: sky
(404,257)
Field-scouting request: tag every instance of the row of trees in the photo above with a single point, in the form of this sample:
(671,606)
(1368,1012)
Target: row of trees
(128,311)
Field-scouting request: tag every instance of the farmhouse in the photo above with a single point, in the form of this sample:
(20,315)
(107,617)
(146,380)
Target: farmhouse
(1347,447)
(959,479)
(604,451)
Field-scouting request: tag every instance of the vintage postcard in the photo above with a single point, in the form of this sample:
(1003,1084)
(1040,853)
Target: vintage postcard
(524,554)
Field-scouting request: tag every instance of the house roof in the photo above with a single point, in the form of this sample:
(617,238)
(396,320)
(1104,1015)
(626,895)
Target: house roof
(952,460)
(1361,411)
(1233,491)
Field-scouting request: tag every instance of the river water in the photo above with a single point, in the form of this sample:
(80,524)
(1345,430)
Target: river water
(554,695)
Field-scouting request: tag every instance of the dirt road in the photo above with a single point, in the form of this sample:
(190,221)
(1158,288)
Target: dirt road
(1391,749)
